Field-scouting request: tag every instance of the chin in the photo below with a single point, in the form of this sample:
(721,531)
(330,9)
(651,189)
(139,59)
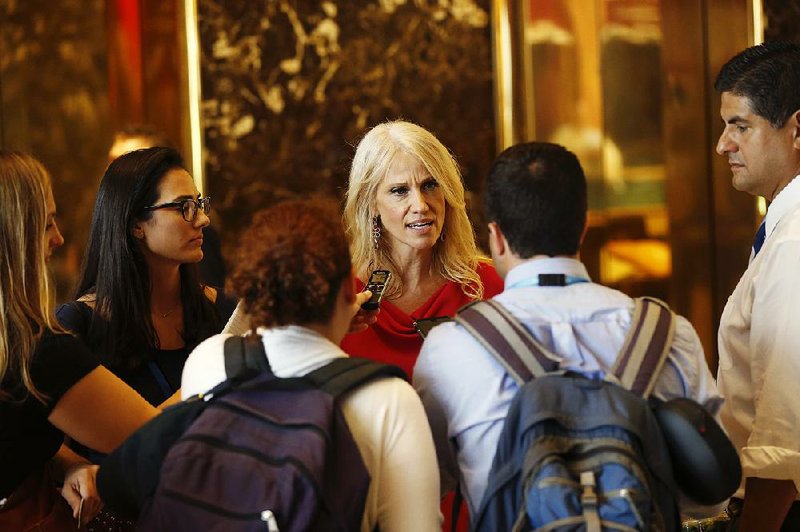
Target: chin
(194,258)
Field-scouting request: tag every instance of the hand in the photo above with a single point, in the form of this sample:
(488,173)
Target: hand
(80,492)
(362,318)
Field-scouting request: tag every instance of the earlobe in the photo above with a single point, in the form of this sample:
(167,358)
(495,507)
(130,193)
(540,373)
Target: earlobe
(349,288)
(496,239)
(137,232)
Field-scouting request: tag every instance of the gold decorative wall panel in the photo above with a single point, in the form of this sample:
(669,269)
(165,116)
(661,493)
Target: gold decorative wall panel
(54,104)
(289,88)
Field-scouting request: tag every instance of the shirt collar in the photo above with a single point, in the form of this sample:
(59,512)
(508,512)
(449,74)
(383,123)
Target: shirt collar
(786,200)
(533,267)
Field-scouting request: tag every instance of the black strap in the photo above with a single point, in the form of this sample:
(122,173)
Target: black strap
(455,511)
(344,374)
(161,379)
(245,356)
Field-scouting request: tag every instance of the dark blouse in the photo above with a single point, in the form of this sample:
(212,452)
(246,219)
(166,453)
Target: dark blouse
(157,381)
(27,439)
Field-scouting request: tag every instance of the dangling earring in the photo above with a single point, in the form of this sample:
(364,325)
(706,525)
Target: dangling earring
(376,230)
(441,236)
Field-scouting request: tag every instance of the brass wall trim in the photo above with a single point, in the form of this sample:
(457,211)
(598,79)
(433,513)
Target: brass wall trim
(502,48)
(194,97)
(756,22)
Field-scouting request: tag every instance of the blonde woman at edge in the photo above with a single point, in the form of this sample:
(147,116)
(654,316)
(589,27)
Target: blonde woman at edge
(405,212)
(49,382)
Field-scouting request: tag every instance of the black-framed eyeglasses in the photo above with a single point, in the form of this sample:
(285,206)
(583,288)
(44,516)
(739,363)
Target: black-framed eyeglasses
(188,207)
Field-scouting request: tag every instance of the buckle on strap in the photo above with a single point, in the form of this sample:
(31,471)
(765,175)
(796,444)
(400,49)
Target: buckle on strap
(589,501)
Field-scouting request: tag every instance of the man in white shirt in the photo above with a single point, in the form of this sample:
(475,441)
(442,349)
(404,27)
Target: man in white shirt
(759,335)
(536,201)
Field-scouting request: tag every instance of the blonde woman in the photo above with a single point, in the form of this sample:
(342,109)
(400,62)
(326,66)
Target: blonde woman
(50,385)
(405,212)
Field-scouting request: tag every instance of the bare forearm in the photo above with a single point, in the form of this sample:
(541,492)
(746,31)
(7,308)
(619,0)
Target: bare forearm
(766,503)
(66,458)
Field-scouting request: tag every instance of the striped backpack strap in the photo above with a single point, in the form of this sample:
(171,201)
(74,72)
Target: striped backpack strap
(646,347)
(507,340)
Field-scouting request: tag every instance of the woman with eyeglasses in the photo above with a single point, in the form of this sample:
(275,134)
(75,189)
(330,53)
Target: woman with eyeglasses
(139,304)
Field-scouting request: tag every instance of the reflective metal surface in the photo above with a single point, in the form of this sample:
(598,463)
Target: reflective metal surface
(628,86)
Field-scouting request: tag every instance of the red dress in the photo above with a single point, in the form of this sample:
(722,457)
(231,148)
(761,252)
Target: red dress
(393,339)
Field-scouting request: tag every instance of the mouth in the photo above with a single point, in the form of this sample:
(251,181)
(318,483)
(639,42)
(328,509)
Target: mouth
(197,240)
(420,225)
(734,165)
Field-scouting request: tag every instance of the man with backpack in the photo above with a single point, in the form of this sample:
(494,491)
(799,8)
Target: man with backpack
(536,202)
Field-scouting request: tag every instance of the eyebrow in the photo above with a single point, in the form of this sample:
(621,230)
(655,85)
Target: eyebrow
(186,196)
(736,119)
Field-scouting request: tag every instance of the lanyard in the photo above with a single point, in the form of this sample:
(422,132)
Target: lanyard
(548,279)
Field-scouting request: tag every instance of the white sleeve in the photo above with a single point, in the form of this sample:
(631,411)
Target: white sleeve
(238,323)
(205,366)
(466,393)
(686,373)
(390,428)
(773,447)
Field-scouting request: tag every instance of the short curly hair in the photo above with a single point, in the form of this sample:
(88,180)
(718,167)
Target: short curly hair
(291,263)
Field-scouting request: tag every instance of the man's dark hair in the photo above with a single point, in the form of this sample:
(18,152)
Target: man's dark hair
(768,75)
(536,193)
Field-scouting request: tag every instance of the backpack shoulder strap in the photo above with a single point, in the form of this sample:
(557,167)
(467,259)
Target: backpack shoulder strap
(646,346)
(344,374)
(244,356)
(507,340)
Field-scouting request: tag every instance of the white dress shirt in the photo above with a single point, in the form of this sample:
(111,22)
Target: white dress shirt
(467,393)
(759,350)
(385,418)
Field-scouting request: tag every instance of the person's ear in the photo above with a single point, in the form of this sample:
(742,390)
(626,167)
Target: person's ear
(137,231)
(349,288)
(497,240)
(795,120)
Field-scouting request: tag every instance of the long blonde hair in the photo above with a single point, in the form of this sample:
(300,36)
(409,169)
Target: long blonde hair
(455,256)
(26,305)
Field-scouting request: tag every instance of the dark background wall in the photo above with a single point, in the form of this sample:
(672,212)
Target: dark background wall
(782,18)
(54,104)
(290,87)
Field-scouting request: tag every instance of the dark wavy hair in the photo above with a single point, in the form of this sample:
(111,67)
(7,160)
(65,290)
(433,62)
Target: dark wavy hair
(536,193)
(291,264)
(768,74)
(115,271)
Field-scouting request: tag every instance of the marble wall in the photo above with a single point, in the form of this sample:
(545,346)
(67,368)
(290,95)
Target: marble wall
(781,20)
(290,86)
(54,104)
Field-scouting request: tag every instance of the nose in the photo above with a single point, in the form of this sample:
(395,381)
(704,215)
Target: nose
(201,219)
(56,239)
(724,144)
(418,202)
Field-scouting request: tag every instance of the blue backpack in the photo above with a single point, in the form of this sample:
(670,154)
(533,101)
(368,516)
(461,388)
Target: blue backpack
(578,453)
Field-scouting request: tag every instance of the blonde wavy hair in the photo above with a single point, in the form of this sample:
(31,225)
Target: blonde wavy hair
(26,303)
(455,257)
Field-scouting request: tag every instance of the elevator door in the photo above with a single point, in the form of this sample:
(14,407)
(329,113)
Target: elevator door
(627,86)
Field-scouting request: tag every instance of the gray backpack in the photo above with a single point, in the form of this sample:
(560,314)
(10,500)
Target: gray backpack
(578,453)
